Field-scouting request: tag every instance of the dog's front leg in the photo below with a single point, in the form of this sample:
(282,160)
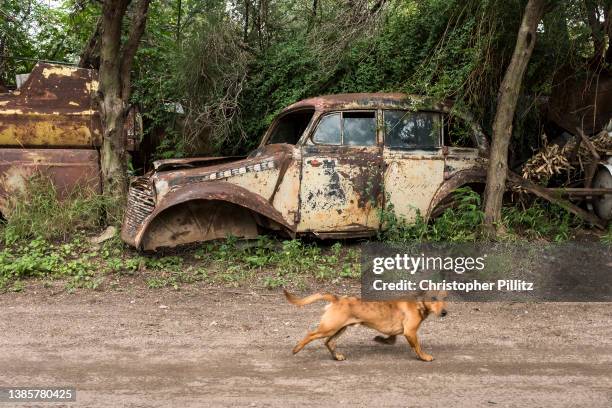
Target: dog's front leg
(411,336)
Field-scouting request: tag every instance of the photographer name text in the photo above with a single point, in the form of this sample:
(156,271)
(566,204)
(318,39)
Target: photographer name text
(507,285)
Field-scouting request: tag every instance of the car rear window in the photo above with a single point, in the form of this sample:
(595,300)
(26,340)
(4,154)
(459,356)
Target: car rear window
(412,130)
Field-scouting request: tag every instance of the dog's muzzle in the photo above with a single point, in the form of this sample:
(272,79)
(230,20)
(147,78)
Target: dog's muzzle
(443,313)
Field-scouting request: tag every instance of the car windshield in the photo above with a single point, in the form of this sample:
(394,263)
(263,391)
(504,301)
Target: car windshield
(289,128)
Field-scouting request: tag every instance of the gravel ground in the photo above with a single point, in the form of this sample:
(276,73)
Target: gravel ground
(218,347)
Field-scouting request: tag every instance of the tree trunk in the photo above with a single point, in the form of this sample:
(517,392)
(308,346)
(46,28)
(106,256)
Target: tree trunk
(506,105)
(608,29)
(112,155)
(114,91)
(597,29)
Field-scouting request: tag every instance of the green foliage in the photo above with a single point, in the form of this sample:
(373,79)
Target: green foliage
(38,212)
(540,220)
(79,264)
(459,223)
(607,237)
(283,262)
(232,73)
(33,29)
(40,259)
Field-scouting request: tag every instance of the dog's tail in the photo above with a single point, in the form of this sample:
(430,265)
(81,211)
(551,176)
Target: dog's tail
(309,299)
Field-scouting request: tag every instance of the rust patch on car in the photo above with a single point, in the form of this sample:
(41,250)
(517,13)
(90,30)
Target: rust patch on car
(55,108)
(66,168)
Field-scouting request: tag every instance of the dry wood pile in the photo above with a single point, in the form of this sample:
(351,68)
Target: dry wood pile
(555,160)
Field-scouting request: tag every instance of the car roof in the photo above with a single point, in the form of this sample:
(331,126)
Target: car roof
(367,100)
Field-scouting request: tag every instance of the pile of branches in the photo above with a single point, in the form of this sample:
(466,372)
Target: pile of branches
(567,160)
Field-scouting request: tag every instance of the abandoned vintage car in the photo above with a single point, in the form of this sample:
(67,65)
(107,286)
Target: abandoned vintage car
(325,167)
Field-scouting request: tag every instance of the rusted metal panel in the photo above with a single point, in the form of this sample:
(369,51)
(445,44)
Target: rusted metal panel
(198,220)
(177,225)
(473,175)
(286,195)
(67,168)
(190,162)
(54,107)
(368,101)
(411,179)
(339,189)
(256,174)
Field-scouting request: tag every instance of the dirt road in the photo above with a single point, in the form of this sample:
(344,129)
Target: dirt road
(201,347)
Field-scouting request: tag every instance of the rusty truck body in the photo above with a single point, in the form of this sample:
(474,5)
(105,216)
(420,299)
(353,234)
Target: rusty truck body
(325,167)
(51,125)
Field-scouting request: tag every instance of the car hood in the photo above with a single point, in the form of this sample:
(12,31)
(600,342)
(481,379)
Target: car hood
(173,173)
(190,162)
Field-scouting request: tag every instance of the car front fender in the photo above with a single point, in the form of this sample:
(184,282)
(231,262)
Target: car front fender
(237,198)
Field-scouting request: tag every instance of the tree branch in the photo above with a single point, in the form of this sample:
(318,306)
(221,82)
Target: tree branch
(90,57)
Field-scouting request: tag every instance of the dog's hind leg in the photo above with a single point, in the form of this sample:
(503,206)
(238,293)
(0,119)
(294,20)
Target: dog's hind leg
(385,340)
(313,335)
(330,343)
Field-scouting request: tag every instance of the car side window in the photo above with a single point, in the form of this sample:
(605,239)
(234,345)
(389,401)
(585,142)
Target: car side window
(329,130)
(359,129)
(410,130)
(347,128)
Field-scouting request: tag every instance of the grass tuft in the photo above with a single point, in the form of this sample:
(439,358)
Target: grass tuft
(38,211)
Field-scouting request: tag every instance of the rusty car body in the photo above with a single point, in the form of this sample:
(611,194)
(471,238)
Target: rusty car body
(51,125)
(320,169)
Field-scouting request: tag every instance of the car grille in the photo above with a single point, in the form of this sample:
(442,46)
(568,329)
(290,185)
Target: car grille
(140,203)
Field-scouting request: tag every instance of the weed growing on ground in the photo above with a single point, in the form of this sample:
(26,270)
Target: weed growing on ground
(271,262)
(459,223)
(38,258)
(38,212)
(282,262)
(462,222)
(229,262)
(540,220)
(607,237)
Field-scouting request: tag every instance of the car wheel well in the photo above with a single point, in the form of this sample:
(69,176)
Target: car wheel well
(201,220)
(449,201)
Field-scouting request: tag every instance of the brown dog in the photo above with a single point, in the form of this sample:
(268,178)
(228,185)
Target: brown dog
(391,318)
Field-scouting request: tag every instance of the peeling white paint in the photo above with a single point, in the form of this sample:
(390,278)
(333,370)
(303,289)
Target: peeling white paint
(58,70)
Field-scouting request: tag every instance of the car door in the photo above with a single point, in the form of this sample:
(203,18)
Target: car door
(413,160)
(342,175)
